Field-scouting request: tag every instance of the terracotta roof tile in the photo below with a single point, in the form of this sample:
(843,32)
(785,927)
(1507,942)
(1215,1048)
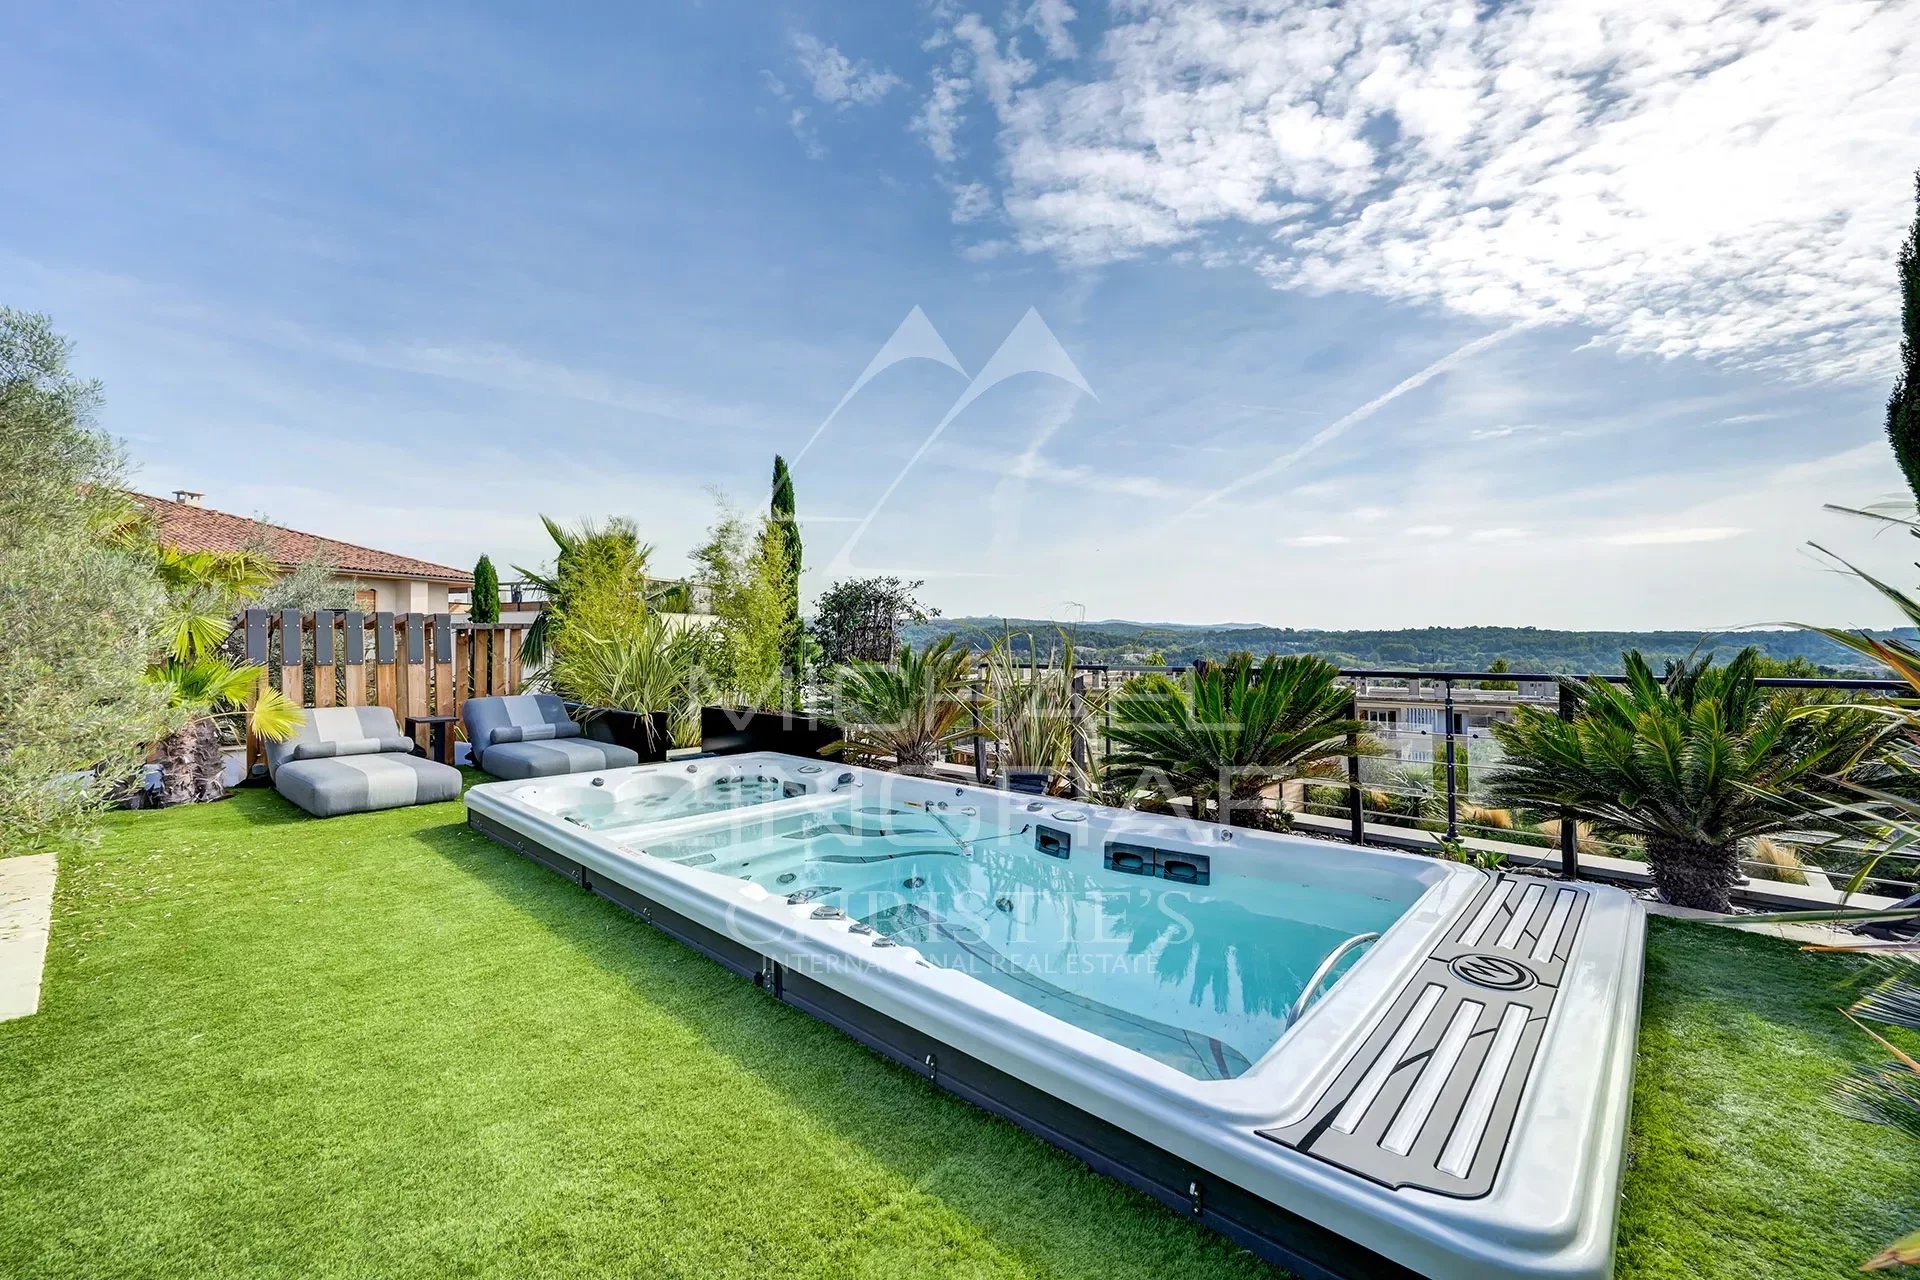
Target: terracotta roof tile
(192,528)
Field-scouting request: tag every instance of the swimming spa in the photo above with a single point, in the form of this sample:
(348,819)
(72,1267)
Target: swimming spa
(1355,1062)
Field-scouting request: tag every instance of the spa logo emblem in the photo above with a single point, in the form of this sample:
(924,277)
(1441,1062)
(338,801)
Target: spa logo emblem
(1494,972)
(1030,347)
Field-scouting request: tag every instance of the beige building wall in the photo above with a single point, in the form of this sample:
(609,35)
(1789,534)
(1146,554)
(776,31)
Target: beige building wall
(398,595)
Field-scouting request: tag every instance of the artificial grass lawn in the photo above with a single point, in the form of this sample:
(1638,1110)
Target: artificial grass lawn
(382,1045)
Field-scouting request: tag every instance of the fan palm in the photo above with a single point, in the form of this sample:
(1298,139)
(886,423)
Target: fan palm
(203,590)
(911,710)
(1225,734)
(1696,763)
(202,688)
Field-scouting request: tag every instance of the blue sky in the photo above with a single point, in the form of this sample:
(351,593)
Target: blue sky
(1562,313)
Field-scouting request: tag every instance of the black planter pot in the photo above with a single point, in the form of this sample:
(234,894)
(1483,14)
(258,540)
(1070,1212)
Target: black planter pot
(1032,782)
(642,732)
(728,730)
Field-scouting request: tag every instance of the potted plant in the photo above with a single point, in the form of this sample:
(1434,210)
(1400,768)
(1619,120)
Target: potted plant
(1032,712)
(743,728)
(645,733)
(909,710)
(627,678)
(1697,763)
(1225,734)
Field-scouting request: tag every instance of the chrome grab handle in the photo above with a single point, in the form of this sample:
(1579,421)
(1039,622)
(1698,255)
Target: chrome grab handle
(1334,957)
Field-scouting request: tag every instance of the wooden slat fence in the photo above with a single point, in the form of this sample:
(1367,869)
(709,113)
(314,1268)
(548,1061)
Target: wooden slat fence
(414,664)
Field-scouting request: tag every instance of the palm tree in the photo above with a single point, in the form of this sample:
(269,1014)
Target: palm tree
(1696,763)
(1226,733)
(203,688)
(910,710)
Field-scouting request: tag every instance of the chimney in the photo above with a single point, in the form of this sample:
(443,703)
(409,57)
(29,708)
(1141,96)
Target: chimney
(188,497)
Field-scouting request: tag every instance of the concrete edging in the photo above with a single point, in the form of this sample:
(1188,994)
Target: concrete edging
(26,920)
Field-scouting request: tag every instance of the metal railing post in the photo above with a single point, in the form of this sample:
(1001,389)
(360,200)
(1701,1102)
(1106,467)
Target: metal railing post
(1356,816)
(1569,821)
(1453,784)
(979,742)
(1106,720)
(1077,736)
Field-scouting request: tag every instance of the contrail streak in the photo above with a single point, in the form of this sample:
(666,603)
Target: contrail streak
(1334,430)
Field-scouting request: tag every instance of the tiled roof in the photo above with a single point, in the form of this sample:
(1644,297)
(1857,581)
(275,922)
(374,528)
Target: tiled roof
(192,528)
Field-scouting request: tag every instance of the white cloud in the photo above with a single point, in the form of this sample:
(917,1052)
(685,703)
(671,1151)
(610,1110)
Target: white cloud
(1730,185)
(1671,537)
(1050,18)
(797,118)
(803,130)
(1031,466)
(838,80)
(1496,535)
(999,71)
(972,201)
(940,116)
(505,368)
(1317,540)
(1429,530)
(1501,432)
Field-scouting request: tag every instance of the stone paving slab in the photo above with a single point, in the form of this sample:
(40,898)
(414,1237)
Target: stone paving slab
(1805,934)
(26,916)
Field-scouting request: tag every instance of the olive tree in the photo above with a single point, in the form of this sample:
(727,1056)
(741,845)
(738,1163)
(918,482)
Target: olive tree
(79,600)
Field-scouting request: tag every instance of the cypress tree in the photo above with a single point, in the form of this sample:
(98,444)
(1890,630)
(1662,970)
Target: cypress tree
(787,528)
(1903,406)
(486,592)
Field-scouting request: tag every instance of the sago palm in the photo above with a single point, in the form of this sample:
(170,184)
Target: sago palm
(1225,734)
(1696,763)
(912,709)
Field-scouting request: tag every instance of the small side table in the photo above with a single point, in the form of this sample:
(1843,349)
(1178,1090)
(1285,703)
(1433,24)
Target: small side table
(440,736)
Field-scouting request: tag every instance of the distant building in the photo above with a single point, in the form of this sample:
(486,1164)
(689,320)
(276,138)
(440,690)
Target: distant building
(1408,716)
(681,603)
(380,580)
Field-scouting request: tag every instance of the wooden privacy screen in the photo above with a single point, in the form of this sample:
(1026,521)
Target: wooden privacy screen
(414,664)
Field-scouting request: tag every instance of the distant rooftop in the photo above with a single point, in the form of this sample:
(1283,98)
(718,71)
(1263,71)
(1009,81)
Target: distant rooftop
(181,522)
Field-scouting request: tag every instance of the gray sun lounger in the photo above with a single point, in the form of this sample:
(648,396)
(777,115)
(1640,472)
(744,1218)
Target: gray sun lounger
(530,735)
(355,760)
